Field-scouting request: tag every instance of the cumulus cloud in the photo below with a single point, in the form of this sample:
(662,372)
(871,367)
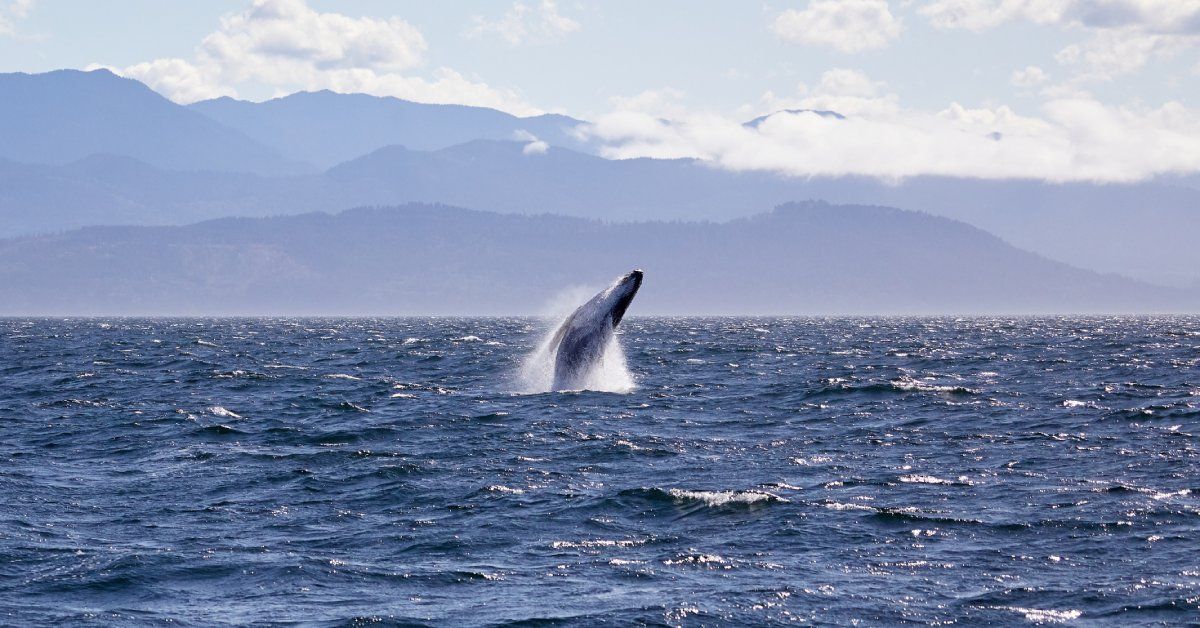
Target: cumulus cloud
(1070,139)
(522,24)
(849,92)
(1153,16)
(178,79)
(845,25)
(11,12)
(1108,54)
(978,15)
(286,45)
(1124,34)
(1031,76)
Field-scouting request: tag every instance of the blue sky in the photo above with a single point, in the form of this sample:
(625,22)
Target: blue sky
(911,70)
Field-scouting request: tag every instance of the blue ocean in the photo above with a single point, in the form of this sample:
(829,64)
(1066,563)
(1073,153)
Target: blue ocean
(727,471)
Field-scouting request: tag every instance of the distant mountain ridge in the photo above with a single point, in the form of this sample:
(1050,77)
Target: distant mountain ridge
(66,115)
(90,148)
(326,128)
(1144,230)
(808,258)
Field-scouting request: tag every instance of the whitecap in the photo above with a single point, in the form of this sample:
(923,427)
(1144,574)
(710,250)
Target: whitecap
(923,479)
(696,559)
(722,498)
(844,506)
(224,412)
(592,543)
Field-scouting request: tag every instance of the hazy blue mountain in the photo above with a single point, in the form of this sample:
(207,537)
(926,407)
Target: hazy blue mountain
(500,176)
(114,189)
(326,128)
(63,116)
(1142,230)
(1145,230)
(427,259)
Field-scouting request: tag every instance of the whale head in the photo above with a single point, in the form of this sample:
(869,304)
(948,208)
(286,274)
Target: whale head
(621,294)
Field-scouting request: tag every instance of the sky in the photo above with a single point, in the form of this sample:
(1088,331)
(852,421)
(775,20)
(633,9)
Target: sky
(1101,90)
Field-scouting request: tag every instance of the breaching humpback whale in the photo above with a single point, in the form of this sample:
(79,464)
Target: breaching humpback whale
(581,340)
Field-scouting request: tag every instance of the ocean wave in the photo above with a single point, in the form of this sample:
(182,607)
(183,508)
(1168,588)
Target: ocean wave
(223,412)
(725,498)
(303,496)
(500,488)
(598,543)
(702,560)
(917,478)
(1041,615)
(915,385)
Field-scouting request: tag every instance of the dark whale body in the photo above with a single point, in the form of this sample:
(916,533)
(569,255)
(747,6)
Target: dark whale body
(582,338)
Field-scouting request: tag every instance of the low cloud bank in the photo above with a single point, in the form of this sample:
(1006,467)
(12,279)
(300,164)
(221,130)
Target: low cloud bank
(1074,138)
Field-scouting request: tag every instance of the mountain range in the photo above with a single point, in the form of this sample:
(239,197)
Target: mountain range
(91,148)
(324,128)
(1142,230)
(807,258)
(66,115)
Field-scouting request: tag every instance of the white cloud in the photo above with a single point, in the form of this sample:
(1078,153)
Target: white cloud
(11,12)
(522,24)
(1164,17)
(844,82)
(978,15)
(663,103)
(1167,17)
(849,92)
(840,90)
(285,45)
(178,79)
(771,102)
(534,145)
(845,25)
(1111,53)
(1125,34)
(1070,139)
(1031,76)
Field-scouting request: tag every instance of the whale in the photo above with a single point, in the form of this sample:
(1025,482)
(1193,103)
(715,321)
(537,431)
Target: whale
(579,343)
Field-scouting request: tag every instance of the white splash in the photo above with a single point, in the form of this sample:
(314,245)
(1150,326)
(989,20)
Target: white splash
(610,374)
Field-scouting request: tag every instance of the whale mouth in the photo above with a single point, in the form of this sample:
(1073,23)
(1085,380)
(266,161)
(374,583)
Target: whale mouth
(628,287)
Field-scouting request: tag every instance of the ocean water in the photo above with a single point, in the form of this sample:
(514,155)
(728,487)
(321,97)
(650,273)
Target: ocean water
(757,471)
